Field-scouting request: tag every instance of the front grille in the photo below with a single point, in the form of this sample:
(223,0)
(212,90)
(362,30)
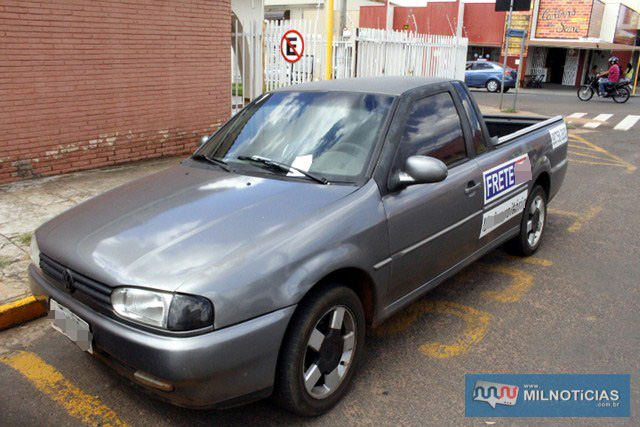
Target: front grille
(79,286)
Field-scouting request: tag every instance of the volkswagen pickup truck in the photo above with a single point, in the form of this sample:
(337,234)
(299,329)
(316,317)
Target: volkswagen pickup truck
(253,267)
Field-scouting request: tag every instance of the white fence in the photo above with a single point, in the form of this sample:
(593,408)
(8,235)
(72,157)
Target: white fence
(368,53)
(399,53)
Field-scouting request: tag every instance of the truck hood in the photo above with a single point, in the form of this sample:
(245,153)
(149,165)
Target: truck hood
(157,231)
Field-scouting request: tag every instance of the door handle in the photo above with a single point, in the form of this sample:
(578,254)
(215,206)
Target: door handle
(472,186)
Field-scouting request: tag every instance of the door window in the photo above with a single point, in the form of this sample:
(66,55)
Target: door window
(433,129)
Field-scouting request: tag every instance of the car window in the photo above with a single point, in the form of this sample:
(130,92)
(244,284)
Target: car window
(484,66)
(478,138)
(433,129)
(468,66)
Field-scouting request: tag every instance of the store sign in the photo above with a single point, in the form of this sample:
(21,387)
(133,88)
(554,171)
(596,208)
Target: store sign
(563,20)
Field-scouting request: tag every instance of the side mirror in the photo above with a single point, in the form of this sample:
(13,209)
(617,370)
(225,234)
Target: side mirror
(423,170)
(204,140)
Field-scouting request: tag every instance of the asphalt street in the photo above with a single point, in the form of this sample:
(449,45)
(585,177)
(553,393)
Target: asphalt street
(572,308)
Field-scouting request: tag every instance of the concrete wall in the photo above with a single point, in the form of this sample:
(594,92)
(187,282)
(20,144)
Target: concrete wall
(96,83)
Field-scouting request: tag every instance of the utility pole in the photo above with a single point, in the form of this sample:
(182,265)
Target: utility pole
(343,16)
(506,53)
(459,24)
(328,71)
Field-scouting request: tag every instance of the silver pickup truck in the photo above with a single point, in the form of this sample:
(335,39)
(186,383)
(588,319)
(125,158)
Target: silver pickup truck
(253,267)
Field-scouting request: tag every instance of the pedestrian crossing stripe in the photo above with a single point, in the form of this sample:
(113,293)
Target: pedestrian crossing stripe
(624,125)
(582,151)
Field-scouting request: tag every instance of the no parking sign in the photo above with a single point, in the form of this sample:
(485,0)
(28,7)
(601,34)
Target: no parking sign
(292,46)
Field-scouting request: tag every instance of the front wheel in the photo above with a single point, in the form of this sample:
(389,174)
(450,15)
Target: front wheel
(585,93)
(320,351)
(532,224)
(622,95)
(492,86)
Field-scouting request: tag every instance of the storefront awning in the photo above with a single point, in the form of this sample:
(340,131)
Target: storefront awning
(582,45)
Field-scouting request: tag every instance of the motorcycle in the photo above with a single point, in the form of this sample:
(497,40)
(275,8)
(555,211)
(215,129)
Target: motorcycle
(620,92)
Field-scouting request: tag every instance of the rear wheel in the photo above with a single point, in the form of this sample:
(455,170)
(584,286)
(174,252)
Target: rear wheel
(492,86)
(585,93)
(320,351)
(532,224)
(622,95)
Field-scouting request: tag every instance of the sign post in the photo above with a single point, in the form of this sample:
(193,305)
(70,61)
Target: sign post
(506,53)
(515,98)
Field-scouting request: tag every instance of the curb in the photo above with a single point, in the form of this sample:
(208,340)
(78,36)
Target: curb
(21,311)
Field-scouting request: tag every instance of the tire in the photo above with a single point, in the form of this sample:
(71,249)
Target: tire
(492,85)
(585,93)
(313,349)
(532,226)
(622,96)
(506,89)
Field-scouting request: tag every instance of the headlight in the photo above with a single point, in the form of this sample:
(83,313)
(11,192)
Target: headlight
(35,251)
(174,312)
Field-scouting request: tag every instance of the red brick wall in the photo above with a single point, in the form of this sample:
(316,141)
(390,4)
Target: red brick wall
(562,19)
(85,84)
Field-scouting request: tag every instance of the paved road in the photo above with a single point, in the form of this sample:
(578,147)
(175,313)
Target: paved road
(573,308)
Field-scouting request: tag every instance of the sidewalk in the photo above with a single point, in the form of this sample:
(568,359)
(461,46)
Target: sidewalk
(27,204)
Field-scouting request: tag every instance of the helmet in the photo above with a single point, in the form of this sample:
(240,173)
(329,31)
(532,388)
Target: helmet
(613,60)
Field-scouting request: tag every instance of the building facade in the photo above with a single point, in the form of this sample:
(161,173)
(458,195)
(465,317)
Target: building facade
(564,38)
(91,84)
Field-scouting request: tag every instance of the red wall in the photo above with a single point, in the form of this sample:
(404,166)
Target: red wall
(431,19)
(373,17)
(94,83)
(484,26)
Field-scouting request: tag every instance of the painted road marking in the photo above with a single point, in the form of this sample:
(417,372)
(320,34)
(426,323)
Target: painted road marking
(576,115)
(22,311)
(583,151)
(581,218)
(529,260)
(598,120)
(476,324)
(627,122)
(521,281)
(88,409)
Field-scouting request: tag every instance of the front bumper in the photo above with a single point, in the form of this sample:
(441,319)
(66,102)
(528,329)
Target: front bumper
(219,368)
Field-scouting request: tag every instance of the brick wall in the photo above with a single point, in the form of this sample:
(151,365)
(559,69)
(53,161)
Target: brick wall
(85,84)
(562,19)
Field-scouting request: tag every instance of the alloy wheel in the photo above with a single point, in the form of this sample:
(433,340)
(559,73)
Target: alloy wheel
(535,221)
(329,352)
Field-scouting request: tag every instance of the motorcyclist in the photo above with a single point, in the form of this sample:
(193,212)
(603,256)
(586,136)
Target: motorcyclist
(613,76)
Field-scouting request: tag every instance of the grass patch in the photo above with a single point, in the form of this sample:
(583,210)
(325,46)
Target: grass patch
(25,238)
(4,262)
(510,110)
(236,89)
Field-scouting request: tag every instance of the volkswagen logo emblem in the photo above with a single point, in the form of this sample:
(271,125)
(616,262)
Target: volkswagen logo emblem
(67,279)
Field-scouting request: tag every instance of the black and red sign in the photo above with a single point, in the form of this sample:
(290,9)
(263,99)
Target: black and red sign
(292,46)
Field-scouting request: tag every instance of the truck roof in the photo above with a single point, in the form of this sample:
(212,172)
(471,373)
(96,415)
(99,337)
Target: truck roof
(380,85)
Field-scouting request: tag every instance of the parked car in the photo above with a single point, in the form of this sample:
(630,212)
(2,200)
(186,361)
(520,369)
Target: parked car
(253,267)
(488,74)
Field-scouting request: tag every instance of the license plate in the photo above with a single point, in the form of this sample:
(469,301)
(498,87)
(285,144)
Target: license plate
(76,329)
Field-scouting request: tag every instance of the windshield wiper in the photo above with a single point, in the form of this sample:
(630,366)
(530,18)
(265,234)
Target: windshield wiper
(284,167)
(213,160)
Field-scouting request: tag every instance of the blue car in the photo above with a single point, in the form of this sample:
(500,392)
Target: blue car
(488,74)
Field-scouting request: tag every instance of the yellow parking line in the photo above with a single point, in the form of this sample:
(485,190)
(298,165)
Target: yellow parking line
(581,218)
(49,381)
(521,281)
(21,311)
(529,260)
(476,326)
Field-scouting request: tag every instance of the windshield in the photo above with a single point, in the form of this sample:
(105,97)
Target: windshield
(330,134)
